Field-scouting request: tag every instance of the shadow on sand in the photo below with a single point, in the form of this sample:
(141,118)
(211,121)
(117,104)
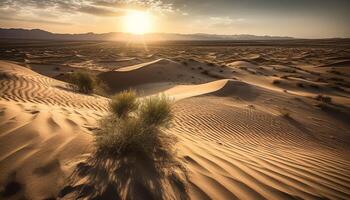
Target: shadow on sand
(128,177)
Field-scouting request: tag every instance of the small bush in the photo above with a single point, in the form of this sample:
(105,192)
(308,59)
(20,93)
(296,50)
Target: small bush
(123,103)
(82,82)
(135,127)
(156,111)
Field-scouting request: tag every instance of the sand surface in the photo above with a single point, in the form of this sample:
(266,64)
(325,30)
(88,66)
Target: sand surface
(233,137)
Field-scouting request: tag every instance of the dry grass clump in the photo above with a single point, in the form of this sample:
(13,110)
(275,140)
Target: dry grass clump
(156,111)
(135,127)
(82,82)
(133,152)
(124,103)
(86,83)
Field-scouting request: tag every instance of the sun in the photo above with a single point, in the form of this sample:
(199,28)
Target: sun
(137,22)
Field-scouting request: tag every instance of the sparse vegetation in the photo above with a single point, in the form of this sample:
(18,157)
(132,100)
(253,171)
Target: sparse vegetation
(156,112)
(86,83)
(136,127)
(82,82)
(124,103)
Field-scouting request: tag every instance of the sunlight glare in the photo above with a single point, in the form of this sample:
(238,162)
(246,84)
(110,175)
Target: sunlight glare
(137,22)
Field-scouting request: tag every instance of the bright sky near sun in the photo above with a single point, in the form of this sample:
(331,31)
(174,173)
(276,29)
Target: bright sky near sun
(298,18)
(137,22)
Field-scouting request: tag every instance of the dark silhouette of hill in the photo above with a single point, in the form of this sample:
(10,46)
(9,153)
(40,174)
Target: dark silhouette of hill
(39,34)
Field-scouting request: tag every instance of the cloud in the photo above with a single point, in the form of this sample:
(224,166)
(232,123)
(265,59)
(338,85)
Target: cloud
(225,21)
(33,20)
(136,4)
(93,10)
(105,8)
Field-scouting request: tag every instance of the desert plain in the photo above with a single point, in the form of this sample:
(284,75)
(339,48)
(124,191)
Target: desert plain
(253,119)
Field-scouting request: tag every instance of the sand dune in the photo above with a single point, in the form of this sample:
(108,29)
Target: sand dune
(233,137)
(23,85)
(237,149)
(345,63)
(44,129)
(157,71)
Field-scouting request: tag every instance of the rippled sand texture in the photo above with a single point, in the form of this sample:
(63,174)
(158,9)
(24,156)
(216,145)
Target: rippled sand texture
(242,135)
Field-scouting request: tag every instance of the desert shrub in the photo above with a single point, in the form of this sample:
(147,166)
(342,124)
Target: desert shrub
(136,127)
(85,83)
(123,103)
(156,111)
(82,82)
(324,99)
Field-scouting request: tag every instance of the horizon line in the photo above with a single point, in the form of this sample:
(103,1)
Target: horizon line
(197,33)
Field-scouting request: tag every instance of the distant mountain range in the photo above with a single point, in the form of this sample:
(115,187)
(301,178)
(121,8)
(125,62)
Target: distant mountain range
(38,34)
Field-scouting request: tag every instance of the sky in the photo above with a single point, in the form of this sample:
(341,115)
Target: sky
(298,18)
